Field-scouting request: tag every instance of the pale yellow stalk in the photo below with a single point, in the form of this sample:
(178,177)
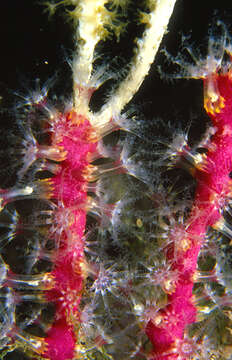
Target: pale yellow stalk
(92,16)
(147,48)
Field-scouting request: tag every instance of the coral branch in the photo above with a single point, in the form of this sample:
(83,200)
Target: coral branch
(156,25)
(212,194)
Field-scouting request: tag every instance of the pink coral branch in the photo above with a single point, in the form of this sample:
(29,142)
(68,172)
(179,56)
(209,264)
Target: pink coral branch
(212,192)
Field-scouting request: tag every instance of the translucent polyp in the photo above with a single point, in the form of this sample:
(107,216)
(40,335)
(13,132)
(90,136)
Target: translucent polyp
(32,342)
(181,153)
(7,315)
(9,219)
(100,210)
(55,153)
(3,270)
(5,239)
(12,298)
(53,168)
(213,101)
(34,151)
(10,195)
(104,129)
(34,282)
(103,151)
(93,172)
(40,189)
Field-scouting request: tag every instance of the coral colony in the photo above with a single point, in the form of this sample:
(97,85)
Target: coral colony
(112,263)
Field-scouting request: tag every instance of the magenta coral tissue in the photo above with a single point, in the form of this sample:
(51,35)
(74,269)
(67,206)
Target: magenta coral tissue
(115,231)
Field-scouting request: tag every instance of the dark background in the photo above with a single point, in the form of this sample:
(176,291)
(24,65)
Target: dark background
(32,46)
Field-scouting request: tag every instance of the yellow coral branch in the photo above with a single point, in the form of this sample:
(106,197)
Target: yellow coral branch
(91,16)
(147,47)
